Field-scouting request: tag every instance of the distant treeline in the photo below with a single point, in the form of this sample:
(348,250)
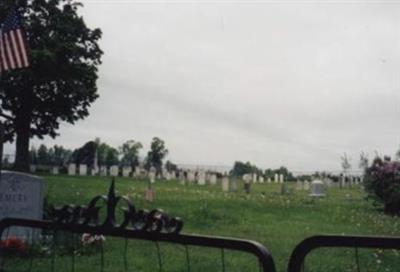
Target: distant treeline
(102,154)
(241,168)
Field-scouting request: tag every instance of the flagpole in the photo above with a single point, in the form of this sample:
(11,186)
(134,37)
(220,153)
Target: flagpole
(1,147)
(17,55)
(1,122)
(1,126)
(1,136)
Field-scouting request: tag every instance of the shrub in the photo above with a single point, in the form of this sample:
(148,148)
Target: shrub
(382,182)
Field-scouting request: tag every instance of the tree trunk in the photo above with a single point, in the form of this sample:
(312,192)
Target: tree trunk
(22,149)
(23,126)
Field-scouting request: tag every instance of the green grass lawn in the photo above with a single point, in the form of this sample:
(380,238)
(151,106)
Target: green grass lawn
(277,221)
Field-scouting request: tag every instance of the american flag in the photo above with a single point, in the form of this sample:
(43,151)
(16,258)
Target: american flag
(13,47)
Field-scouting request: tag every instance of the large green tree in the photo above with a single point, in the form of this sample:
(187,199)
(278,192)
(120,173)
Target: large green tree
(106,154)
(60,84)
(241,168)
(86,154)
(130,153)
(284,171)
(61,155)
(43,155)
(157,153)
(112,157)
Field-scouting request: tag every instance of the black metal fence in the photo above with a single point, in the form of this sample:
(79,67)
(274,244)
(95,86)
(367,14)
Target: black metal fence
(266,262)
(155,226)
(297,259)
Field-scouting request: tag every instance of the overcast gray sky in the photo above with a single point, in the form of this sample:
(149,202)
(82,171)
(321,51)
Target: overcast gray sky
(295,84)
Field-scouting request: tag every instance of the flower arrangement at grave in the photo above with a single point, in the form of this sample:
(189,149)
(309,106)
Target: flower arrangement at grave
(92,240)
(91,243)
(382,182)
(13,246)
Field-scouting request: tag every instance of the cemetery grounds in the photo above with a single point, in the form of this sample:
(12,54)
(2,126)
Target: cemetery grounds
(278,221)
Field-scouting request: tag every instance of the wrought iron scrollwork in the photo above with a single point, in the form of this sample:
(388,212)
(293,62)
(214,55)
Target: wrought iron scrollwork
(150,221)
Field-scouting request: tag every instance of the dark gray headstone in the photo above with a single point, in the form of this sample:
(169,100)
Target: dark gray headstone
(21,196)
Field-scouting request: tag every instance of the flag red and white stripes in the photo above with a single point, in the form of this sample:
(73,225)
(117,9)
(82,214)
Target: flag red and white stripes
(13,47)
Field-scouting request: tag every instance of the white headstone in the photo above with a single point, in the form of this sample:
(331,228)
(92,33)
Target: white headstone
(202,178)
(181,177)
(55,170)
(281,178)
(343,181)
(269,180)
(191,177)
(225,184)
(152,174)
(114,169)
(276,178)
(213,179)
(317,188)
(254,178)
(247,183)
(82,169)
(21,196)
(306,185)
(126,171)
(246,178)
(173,175)
(72,169)
(261,179)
